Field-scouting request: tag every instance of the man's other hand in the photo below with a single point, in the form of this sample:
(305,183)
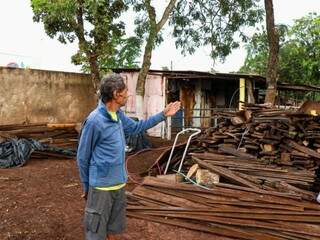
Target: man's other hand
(172,108)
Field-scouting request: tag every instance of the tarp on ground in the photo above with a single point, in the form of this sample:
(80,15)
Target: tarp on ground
(15,152)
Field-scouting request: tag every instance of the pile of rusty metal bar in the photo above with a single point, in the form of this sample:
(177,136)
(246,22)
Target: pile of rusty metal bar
(256,177)
(62,136)
(226,211)
(271,135)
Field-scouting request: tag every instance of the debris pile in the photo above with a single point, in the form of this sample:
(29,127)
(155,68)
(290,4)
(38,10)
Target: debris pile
(256,174)
(19,142)
(226,210)
(270,135)
(60,135)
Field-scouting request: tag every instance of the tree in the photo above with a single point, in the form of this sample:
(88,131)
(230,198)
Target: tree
(124,56)
(298,55)
(195,23)
(215,23)
(257,51)
(273,59)
(148,28)
(96,26)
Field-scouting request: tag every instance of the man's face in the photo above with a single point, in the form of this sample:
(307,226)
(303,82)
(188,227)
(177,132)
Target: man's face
(121,97)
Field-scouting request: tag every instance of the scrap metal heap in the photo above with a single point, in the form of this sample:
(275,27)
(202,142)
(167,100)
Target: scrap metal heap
(254,177)
(20,142)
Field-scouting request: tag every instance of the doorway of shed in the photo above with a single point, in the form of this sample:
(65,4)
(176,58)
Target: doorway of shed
(173,94)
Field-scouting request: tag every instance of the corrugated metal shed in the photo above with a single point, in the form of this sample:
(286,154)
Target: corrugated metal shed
(201,93)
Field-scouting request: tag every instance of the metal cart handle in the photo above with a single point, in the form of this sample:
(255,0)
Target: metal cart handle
(196,132)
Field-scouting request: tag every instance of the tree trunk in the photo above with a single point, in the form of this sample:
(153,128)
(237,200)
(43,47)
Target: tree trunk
(153,31)
(95,74)
(140,88)
(83,46)
(272,67)
(146,61)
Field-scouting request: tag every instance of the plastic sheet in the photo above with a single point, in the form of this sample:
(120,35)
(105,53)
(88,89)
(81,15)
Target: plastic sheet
(15,152)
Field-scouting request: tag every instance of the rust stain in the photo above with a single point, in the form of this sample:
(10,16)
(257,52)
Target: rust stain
(187,98)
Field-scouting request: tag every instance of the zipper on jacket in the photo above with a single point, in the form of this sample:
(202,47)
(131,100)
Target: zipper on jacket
(123,151)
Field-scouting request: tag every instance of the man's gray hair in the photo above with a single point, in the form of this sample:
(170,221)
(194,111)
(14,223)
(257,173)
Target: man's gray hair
(109,84)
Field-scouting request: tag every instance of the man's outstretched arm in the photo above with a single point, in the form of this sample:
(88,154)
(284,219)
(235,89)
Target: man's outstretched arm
(134,127)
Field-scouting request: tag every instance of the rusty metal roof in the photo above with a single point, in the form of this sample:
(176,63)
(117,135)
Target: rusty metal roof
(188,74)
(297,87)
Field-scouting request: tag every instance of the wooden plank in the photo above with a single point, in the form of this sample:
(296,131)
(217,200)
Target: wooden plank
(304,149)
(223,157)
(266,198)
(164,198)
(226,173)
(248,215)
(200,201)
(235,152)
(286,235)
(251,203)
(301,228)
(307,195)
(152,181)
(226,233)
(223,209)
(246,166)
(258,191)
(275,175)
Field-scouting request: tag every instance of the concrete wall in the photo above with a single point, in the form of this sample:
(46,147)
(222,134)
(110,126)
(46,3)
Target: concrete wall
(36,96)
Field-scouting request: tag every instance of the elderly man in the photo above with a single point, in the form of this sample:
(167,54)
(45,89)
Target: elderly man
(101,158)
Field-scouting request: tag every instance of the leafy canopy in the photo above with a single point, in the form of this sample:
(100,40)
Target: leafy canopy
(204,23)
(299,52)
(213,23)
(95,24)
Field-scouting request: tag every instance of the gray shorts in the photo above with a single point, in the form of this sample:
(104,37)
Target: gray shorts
(105,213)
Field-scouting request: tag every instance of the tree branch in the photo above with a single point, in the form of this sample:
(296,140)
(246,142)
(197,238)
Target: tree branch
(151,11)
(166,14)
(83,45)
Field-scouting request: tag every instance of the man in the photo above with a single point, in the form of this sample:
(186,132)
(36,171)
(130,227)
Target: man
(101,158)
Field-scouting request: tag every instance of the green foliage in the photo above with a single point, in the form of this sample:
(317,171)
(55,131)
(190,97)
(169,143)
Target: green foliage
(257,51)
(95,24)
(299,52)
(204,22)
(142,22)
(124,56)
(214,23)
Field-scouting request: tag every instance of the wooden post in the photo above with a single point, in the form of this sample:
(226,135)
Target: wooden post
(169,128)
(250,91)
(242,92)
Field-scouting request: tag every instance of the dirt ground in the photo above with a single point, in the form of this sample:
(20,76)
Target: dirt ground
(42,200)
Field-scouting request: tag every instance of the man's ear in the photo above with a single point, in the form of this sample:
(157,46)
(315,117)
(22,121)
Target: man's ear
(115,94)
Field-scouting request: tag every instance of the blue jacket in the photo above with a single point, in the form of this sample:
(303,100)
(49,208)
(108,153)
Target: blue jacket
(101,150)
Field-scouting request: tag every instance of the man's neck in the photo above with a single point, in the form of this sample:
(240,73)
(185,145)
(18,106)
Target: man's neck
(112,106)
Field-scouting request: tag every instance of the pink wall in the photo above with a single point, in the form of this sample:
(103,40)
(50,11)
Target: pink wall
(154,99)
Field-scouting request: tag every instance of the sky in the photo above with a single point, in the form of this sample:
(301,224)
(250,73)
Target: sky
(25,42)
